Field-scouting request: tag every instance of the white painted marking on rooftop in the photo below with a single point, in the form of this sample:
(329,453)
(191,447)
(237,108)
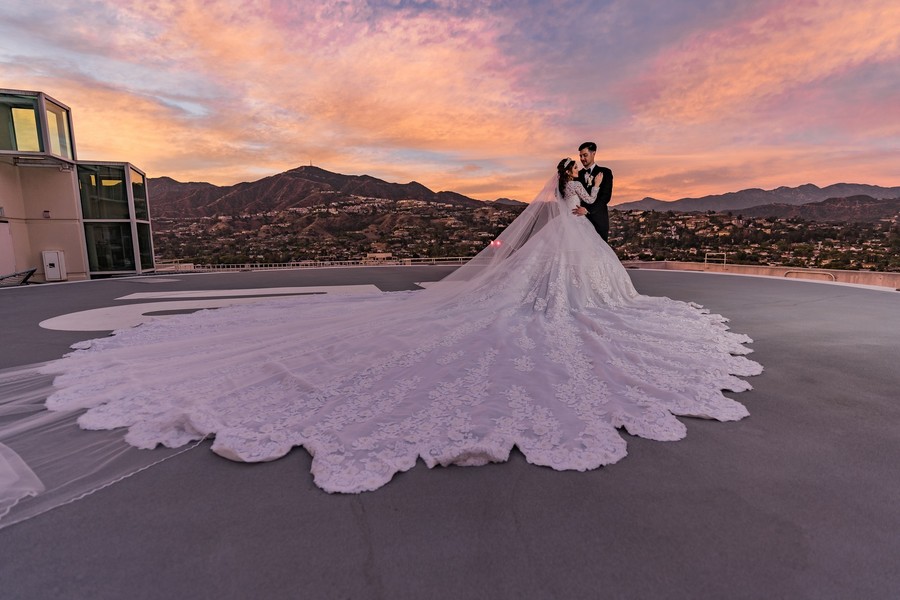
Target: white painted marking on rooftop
(275,291)
(109,318)
(153,280)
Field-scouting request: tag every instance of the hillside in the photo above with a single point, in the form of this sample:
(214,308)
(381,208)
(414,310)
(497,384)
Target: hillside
(803,194)
(857,209)
(302,187)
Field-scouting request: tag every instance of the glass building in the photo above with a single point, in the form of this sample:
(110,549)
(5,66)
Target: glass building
(116,218)
(34,127)
(91,218)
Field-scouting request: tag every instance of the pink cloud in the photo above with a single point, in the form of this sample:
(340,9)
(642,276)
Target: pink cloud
(749,65)
(316,87)
(233,91)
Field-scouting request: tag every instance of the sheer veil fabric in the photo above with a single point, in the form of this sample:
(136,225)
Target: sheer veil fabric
(539,342)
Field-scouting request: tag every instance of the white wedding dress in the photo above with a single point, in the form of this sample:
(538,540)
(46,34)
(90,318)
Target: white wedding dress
(540,342)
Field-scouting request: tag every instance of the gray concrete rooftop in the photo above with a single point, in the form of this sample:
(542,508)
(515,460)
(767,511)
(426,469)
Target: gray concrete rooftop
(800,500)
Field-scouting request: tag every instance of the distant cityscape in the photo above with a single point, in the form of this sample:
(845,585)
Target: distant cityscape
(351,227)
(339,230)
(792,242)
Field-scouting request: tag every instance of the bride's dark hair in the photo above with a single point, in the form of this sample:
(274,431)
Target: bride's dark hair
(563,170)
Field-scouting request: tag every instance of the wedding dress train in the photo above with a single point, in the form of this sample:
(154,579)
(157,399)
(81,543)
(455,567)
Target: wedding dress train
(540,342)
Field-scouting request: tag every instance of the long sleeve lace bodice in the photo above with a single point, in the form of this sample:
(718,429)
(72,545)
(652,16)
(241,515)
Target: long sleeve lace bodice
(575,194)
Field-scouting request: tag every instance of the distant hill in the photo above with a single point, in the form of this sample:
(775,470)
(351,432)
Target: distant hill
(509,201)
(309,186)
(803,194)
(297,188)
(860,209)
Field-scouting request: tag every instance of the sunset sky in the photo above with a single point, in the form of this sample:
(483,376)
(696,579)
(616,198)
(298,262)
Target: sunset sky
(684,98)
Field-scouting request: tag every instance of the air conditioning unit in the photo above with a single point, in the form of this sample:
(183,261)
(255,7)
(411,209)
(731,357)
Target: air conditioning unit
(54,265)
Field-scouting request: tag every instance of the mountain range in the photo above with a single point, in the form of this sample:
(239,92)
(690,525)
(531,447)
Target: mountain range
(803,194)
(309,186)
(857,209)
(304,186)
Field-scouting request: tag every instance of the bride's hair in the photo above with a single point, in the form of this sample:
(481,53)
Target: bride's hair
(563,170)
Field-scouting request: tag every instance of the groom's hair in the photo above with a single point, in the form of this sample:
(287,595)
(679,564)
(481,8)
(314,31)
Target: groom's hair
(591,146)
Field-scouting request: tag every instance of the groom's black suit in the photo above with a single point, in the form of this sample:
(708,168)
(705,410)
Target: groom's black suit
(598,214)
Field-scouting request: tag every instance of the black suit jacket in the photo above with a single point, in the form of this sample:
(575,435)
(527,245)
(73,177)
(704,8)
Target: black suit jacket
(598,213)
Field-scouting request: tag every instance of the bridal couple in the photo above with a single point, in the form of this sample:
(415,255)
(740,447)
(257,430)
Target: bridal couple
(592,177)
(539,342)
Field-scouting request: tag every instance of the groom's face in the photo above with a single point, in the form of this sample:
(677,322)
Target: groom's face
(586,156)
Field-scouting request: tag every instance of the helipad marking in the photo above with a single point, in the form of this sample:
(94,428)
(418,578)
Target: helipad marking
(275,291)
(109,318)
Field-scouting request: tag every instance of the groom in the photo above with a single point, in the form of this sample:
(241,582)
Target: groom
(591,175)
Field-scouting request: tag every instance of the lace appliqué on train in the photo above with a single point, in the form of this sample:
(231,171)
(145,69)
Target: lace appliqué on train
(553,353)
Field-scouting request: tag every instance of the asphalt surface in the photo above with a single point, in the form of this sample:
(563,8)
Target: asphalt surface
(797,501)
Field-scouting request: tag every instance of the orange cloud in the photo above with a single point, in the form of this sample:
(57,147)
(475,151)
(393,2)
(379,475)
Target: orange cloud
(234,91)
(717,74)
(330,91)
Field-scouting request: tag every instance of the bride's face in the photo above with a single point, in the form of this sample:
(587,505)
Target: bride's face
(573,171)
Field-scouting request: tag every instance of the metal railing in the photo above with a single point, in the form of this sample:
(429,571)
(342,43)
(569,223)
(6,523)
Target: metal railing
(807,272)
(724,258)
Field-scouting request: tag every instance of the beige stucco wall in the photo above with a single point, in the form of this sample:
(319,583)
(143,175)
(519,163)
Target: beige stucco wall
(25,193)
(50,189)
(10,190)
(67,236)
(21,242)
(14,213)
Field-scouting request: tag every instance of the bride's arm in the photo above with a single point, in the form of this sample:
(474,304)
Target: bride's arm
(582,194)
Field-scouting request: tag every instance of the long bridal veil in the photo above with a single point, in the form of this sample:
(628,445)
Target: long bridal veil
(539,342)
(46,459)
(55,461)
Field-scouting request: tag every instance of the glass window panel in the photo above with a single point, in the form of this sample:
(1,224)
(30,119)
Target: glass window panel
(139,191)
(103,192)
(109,247)
(58,128)
(145,243)
(19,126)
(25,124)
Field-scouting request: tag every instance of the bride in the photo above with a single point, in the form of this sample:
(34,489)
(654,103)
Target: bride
(539,342)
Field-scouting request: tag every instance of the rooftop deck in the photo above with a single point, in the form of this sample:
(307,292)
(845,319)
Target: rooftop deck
(797,501)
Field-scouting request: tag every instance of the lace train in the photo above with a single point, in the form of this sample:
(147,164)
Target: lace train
(462,387)
(540,342)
